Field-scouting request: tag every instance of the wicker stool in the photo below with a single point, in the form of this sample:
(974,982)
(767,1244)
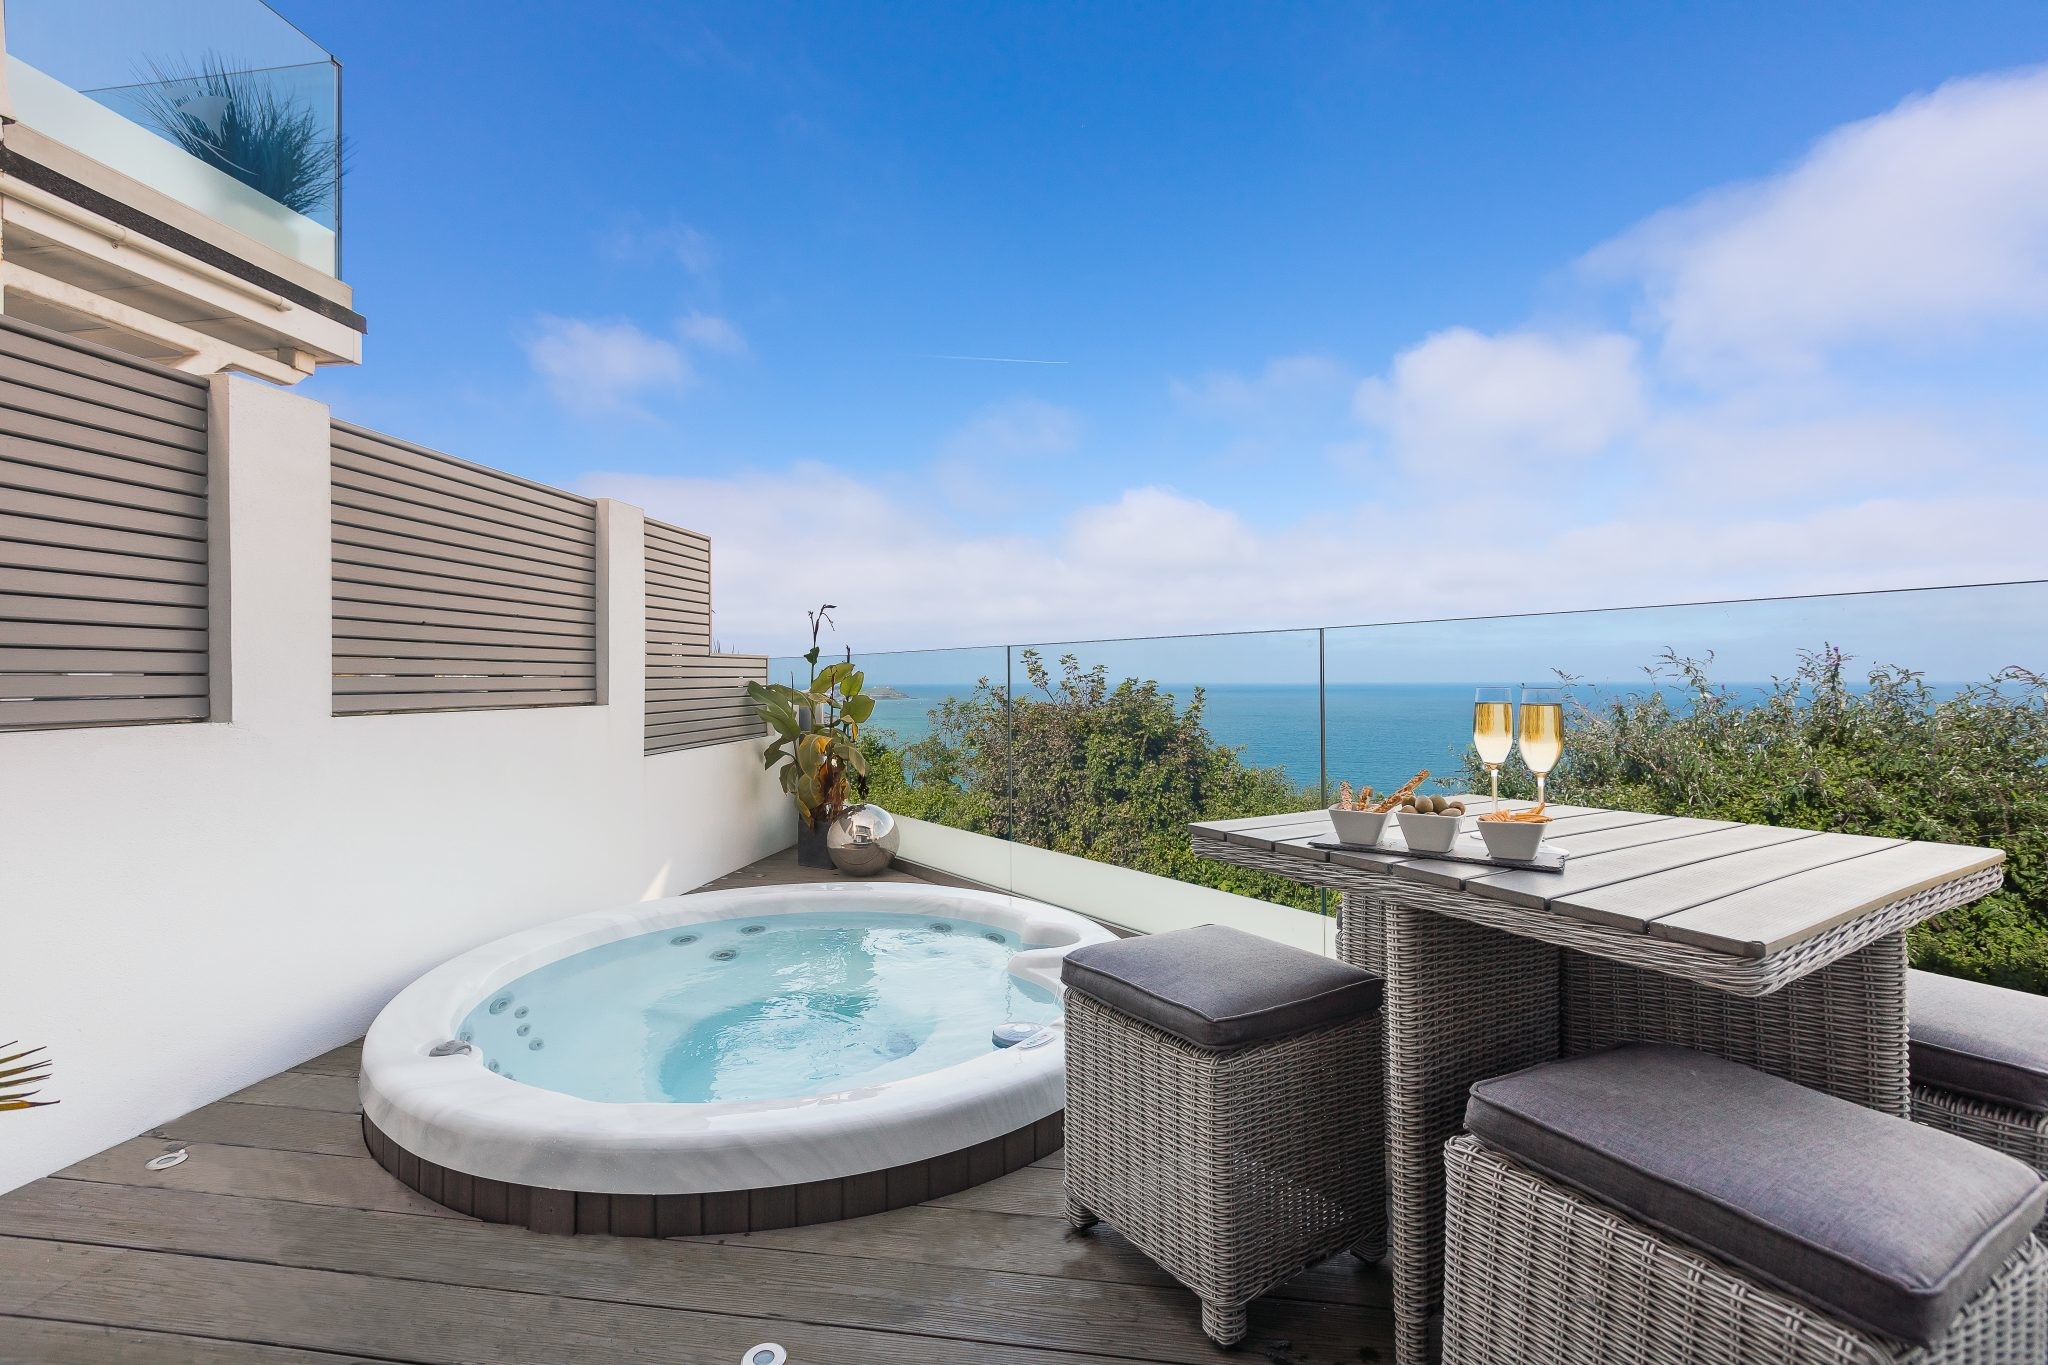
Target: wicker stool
(1980,1063)
(1223,1109)
(1656,1204)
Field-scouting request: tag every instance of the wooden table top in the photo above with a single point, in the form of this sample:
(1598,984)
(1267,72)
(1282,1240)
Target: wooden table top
(1746,890)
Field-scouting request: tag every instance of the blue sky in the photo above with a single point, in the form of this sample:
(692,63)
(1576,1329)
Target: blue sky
(1362,311)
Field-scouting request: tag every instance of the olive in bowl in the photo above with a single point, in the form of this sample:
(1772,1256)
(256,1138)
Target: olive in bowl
(1431,824)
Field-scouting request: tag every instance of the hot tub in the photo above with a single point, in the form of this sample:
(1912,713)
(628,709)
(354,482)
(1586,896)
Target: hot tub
(728,1061)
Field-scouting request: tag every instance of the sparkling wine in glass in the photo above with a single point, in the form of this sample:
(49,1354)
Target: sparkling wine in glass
(1542,732)
(1493,731)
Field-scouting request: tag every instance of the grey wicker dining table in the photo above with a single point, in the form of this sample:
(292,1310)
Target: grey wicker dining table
(1780,948)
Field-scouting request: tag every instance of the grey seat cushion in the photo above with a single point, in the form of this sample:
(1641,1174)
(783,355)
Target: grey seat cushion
(1982,1041)
(1218,987)
(1876,1221)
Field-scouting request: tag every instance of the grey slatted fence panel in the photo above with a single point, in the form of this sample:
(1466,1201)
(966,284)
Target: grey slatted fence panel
(103,525)
(457,587)
(694,697)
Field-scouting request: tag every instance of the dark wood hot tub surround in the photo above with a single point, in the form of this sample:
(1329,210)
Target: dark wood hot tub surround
(722,1211)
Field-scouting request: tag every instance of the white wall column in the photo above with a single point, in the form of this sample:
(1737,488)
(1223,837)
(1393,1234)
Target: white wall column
(268,454)
(191,908)
(621,607)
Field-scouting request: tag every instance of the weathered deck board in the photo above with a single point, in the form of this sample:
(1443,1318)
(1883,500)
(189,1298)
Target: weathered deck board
(47,1342)
(354,1182)
(342,1061)
(998,1307)
(401,1319)
(273,1126)
(280,1240)
(303,1090)
(931,1234)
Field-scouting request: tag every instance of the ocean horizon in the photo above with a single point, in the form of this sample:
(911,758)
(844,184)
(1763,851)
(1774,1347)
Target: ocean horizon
(1378,733)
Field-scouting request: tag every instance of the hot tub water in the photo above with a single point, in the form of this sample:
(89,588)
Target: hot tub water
(788,1005)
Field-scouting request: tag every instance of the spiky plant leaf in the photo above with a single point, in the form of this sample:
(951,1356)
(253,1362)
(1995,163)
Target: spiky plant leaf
(16,1081)
(245,124)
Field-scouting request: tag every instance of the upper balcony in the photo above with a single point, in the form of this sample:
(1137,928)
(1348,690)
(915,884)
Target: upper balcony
(172,183)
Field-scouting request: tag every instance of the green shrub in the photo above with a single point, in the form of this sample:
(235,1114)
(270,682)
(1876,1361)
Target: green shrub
(1115,773)
(1886,755)
(1109,773)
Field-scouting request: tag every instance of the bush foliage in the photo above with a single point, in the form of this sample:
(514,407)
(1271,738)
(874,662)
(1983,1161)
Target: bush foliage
(1877,752)
(1113,773)
(1116,772)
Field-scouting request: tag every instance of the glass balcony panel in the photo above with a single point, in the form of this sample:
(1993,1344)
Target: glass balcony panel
(931,751)
(1399,697)
(224,107)
(1120,743)
(1068,772)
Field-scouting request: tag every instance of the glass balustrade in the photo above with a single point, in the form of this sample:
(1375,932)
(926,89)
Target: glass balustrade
(1057,770)
(223,106)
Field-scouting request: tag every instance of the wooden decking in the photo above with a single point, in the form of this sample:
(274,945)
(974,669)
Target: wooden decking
(280,1240)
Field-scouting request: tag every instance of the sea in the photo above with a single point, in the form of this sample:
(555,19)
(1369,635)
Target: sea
(1379,733)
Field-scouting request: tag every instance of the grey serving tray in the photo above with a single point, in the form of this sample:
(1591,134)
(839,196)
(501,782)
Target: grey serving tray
(1549,857)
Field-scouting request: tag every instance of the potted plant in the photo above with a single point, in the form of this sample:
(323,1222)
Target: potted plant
(246,125)
(817,743)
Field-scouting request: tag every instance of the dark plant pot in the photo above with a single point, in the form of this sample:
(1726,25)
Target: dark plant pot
(810,845)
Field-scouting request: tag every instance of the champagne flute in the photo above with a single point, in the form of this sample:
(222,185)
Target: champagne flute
(1542,732)
(1493,730)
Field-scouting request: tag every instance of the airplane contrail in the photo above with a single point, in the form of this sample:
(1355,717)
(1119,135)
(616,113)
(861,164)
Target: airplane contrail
(997,359)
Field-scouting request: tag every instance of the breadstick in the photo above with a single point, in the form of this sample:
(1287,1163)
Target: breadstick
(1402,795)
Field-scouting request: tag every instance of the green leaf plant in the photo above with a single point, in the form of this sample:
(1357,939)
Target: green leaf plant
(816,733)
(18,1072)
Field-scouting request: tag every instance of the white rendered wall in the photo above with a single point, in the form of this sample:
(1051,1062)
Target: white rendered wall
(1114,895)
(188,909)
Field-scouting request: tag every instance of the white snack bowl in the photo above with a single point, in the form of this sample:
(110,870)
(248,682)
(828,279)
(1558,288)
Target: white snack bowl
(1515,839)
(1430,833)
(1359,826)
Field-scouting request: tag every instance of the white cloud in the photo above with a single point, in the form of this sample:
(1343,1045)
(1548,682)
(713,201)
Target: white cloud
(1284,382)
(1018,427)
(611,364)
(1732,436)
(1153,532)
(603,365)
(1724,454)
(1919,224)
(1290,408)
(636,242)
(1153,560)
(1976,535)
(711,333)
(1461,395)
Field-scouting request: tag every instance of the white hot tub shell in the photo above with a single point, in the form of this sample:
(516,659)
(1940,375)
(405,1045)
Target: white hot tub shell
(450,1112)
